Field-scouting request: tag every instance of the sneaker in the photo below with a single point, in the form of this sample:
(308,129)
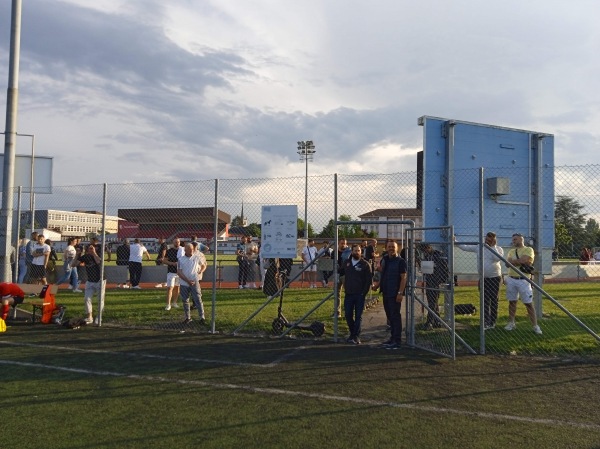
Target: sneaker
(241,287)
(96,321)
(511,325)
(125,286)
(70,287)
(202,322)
(77,291)
(89,320)
(350,340)
(487,327)
(118,286)
(324,283)
(137,287)
(387,343)
(168,308)
(158,286)
(187,321)
(357,341)
(393,346)
(176,305)
(537,329)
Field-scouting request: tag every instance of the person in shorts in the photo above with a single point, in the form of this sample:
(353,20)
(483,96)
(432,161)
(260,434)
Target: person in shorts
(93,286)
(309,254)
(517,285)
(170,259)
(11,295)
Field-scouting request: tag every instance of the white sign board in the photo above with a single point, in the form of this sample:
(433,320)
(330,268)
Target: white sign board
(42,173)
(279,231)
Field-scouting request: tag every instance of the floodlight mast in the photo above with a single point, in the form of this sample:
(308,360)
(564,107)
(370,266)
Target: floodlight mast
(306,150)
(6,213)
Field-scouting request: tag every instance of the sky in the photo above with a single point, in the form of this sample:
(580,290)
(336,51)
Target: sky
(148,90)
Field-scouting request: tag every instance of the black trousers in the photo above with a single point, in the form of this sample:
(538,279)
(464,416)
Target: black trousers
(491,290)
(135,273)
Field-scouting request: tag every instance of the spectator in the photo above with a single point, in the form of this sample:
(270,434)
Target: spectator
(41,255)
(92,263)
(160,256)
(357,283)
(123,259)
(433,281)
(392,283)
(597,255)
(309,254)
(70,273)
(326,253)
(243,264)
(22,251)
(252,253)
(136,254)
(201,246)
(555,254)
(51,265)
(189,269)
(585,256)
(517,285)
(492,276)
(29,256)
(170,259)
(343,253)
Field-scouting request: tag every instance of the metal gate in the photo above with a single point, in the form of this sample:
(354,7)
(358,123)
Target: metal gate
(430,305)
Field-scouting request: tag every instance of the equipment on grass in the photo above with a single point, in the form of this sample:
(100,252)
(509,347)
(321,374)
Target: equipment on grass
(465,309)
(275,278)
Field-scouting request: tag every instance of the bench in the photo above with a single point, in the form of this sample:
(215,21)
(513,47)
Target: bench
(47,307)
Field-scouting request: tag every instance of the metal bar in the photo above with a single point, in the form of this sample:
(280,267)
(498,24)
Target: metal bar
(547,295)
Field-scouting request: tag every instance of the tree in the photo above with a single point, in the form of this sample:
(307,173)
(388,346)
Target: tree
(253,229)
(346,231)
(311,232)
(569,224)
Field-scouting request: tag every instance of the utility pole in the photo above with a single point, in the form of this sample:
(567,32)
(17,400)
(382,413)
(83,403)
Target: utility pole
(10,136)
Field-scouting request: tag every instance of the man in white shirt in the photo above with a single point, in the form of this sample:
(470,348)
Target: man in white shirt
(309,253)
(41,253)
(189,269)
(136,253)
(492,277)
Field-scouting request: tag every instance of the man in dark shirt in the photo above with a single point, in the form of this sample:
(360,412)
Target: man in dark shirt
(392,282)
(123,260)
(357,282)
(92,263)
(170,260)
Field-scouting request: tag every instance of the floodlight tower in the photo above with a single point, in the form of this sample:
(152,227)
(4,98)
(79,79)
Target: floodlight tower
(306,150)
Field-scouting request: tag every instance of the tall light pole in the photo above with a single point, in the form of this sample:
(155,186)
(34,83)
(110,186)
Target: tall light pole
(306,150)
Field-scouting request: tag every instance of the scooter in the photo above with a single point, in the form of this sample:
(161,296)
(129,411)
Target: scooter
(275,279)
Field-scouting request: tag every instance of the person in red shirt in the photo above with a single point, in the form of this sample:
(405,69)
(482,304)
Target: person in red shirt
(11,294)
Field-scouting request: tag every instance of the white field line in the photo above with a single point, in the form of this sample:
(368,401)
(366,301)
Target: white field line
(159,357)
(320,396)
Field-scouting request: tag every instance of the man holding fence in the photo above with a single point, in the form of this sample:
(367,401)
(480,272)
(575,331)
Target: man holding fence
(516,282)
(492,275)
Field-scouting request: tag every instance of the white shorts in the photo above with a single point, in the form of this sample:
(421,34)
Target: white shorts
(313,267)
(518,288)
(172,280)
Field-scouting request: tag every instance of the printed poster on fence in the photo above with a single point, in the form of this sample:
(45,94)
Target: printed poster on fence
(279,231)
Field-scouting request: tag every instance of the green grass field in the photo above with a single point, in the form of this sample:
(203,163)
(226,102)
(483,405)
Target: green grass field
(104,387)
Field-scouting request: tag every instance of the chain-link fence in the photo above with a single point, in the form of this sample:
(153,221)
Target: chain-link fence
(219,212)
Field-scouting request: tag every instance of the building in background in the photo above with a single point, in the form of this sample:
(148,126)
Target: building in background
(392,231)
(70,223)
(169,223)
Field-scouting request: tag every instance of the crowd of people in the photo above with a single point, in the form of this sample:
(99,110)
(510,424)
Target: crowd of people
(360,269)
